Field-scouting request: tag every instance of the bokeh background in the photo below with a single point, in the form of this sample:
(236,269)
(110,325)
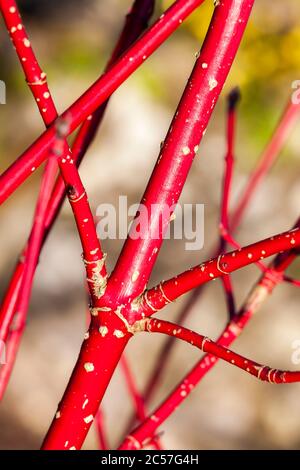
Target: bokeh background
(73,39)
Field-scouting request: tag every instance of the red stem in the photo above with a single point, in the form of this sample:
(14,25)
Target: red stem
(287,122)
(260,371)
(229,22)
(133,390)
(229,295)
(165,352)
(140,436)
(102,438)
(32,259)
(292,281)
(136,21)
(36,79)
(268,158)
(161,295)
(138,256)
(233,100)
(234,328)
(98,93)
(98,358)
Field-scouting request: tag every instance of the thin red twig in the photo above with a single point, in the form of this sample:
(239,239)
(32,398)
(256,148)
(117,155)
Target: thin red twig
(33,253)
(265,162)
(286,124)
(258,295)
(168,291)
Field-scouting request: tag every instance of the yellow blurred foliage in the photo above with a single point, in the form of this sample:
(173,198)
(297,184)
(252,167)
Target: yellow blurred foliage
(271,46)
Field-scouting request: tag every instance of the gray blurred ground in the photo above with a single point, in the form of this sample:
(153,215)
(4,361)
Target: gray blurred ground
(229,410)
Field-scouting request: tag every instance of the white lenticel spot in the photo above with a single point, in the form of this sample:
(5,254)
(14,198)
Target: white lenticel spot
(154,418)
(119,334)
(135,276)
(85,403)
(26,42)
(89,366)
(103,330)
(186,150)
(88,419)
(212,83)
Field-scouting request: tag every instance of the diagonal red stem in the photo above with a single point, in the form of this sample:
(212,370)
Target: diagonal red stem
(98,93)
(158,297)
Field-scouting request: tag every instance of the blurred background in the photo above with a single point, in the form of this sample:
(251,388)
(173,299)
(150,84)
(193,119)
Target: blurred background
(73,40)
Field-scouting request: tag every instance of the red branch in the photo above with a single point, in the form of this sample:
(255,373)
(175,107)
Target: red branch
(36,238)
(98,93)
(158,297)
(136,22)
(102,438)
(286,124)
(120,305)
(233,100)
(141,435)
(110,318)
(36,79)
(268,158)
(262,372)
(180,147)
(258,295)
